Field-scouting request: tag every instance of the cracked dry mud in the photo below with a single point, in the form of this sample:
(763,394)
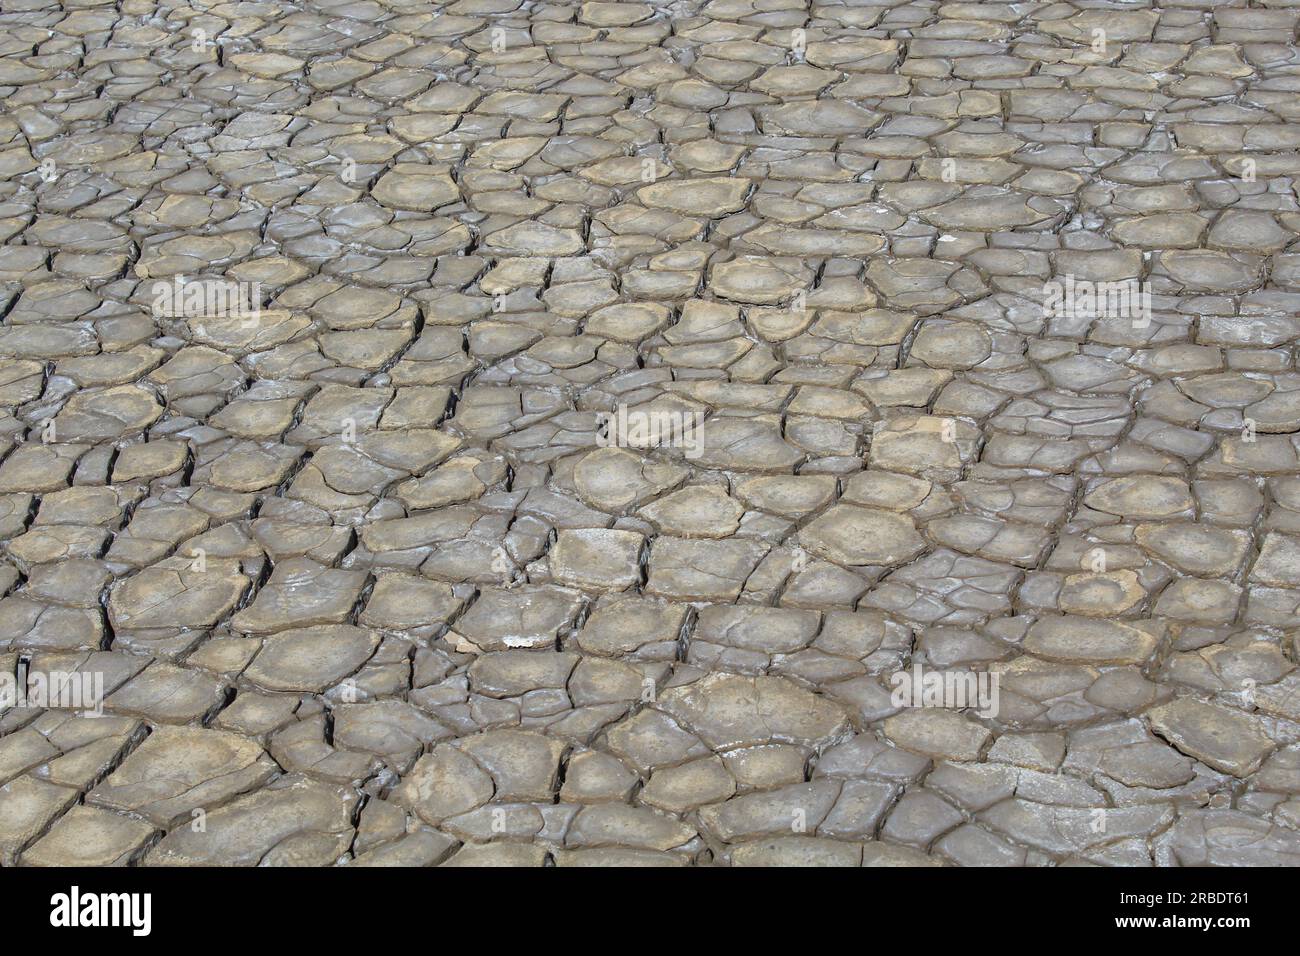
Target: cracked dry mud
(365,585)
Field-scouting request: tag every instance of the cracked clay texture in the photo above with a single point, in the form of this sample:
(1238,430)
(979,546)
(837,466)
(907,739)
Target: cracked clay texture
(719,432)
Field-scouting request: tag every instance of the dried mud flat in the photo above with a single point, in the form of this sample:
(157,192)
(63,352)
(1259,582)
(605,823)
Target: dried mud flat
(537,433)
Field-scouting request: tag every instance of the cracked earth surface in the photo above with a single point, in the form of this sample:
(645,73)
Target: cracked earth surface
(365,584)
